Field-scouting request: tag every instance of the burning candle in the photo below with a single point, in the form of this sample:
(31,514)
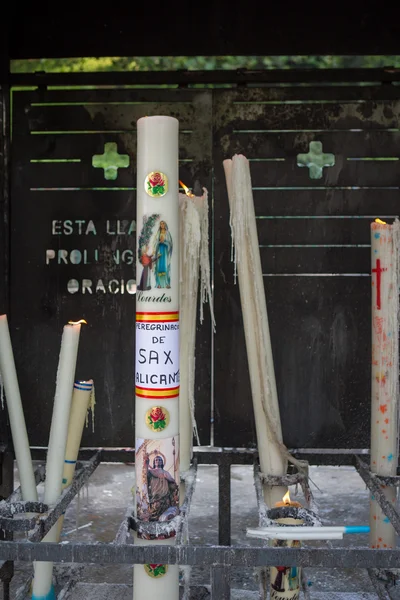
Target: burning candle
(384,370)
(157,346)
(19,434)
(285,581)
(42,582)
(286,501)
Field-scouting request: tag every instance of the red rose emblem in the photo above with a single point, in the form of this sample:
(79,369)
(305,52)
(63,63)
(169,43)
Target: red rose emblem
(157,415)
(156,179)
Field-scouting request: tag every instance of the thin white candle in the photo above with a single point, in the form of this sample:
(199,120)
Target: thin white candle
(42,583)
(16,414)
(79,407)
(256,328)
(157,343)
(385,281)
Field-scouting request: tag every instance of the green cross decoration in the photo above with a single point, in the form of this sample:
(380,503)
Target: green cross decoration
(110,161)
(315,160)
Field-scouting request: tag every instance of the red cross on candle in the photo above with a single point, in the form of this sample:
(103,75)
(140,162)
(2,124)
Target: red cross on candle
(378,270)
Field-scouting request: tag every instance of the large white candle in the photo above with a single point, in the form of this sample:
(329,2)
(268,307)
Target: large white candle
(79,407)
(256,328)
(42,583)
(384,370)
(16,414)
(157,343)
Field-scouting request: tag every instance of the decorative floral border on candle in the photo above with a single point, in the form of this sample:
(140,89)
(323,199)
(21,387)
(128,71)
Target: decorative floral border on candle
(156,571)
(157,418)
(156,184)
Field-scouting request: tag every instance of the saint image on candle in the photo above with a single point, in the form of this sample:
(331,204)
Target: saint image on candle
(146,260)
(163,252)
(155,252)
(158,492)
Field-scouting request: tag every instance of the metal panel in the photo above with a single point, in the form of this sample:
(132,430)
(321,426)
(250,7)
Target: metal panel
(55,135)
(315,242)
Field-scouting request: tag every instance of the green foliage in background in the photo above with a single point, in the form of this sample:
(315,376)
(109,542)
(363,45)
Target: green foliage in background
(172,63)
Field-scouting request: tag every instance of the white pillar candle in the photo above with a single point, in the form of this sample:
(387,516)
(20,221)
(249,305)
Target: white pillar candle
(81,398)
(157,343)
(384,370)
(256,328)
(16,414)
(42,583)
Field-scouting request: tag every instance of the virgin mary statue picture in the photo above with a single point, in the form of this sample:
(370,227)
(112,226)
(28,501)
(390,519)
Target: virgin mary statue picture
(163,251)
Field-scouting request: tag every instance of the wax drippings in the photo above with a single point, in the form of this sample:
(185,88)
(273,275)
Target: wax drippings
(194,262)
(92,403)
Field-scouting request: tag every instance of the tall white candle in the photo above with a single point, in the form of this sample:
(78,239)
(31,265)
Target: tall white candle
(385,249)
(16,414)
(157,343)
(42,583)
(256,328)
(79,407)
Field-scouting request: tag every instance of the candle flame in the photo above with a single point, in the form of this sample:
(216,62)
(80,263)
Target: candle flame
(286,498)
(380,221)
(187,190)
(77,322)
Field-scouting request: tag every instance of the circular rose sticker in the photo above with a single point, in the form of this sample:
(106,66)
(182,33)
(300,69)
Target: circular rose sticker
(156,570)
(156,184)
(157,418)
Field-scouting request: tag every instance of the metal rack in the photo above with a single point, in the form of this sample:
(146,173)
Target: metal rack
(220,558)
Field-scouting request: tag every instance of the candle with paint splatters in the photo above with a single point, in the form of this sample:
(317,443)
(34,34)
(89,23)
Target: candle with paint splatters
(384,371)
(157,346)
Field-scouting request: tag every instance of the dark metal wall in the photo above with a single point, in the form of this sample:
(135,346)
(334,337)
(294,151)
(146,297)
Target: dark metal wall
(313,233)
(74,126)
(314,236)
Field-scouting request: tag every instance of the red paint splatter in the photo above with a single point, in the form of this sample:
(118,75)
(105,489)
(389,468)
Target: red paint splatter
(386,421)
(378,270)
(378,325)
(383,408)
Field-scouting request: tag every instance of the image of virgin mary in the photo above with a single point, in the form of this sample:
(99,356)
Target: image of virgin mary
(163,252)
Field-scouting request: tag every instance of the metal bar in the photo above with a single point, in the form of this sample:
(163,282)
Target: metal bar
(224,504)
(232,556)
(6,590)
(374,484)
(220,580)
(44,524)
(214,455)
(378,585)
(124,528)
(239,76)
